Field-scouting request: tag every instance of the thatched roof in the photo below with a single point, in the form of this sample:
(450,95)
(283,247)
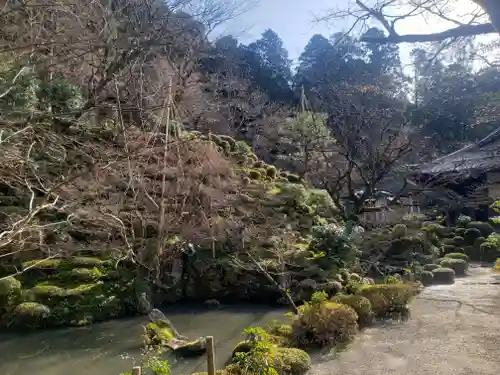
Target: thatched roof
(479,157)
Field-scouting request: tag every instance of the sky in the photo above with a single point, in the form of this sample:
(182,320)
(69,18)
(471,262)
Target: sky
(294,21)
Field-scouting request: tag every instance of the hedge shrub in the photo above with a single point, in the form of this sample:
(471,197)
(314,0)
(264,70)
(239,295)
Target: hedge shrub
(387,299)
(443,275)
(324,323)
(460,266)
(485,228)
(360,304)
(471,235)
(427,278)
(431,267)
(457,256)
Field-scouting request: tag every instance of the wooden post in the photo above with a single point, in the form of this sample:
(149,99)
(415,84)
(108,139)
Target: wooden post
(210,355)
(136,370)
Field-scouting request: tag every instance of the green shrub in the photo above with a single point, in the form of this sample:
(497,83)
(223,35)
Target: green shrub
(449,249)
(360,304)
(271,172)
(485,228)
(387,299)
(243,148)
(230,141)
(488,252)
(496,267)
(258,164)
(290,361)
(226,147)
(399,231)
(324,324)
(458,241)
(448,241)
(460,231)
(10,291)
(478,241)
(457,256)
(254,175)
(443,275)
(460,266)
(293,178)
(431,267)
(471,235)
(463,220)
(427,277)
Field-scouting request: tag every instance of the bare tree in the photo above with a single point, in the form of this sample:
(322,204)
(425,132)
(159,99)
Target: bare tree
(389,13)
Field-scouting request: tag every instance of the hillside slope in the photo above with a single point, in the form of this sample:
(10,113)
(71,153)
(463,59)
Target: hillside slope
(81,216)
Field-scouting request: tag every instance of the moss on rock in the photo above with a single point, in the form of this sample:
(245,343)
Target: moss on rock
(30,315)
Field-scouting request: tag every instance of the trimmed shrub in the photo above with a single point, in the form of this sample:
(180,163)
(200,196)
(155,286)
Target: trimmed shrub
(399,231)
(488,252)
(448,249)
(448,241)
(271,172)
(387,299)
(360,304)
(496,267)
(30,314)
(427,277)
(457,256)
(478,241)
(254,175)
(230,141)
(443,275)
(325,323)
(290,361)
(460,231)
(292,178)
(463,220)
(471,235)
(458,241)
(460,266)
(485,228)
(431,267)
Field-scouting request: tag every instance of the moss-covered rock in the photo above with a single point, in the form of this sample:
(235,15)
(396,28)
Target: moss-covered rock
(30,315)
(443,275)
(325,323)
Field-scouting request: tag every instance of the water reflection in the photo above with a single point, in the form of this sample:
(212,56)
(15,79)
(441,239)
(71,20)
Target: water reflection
(108,348)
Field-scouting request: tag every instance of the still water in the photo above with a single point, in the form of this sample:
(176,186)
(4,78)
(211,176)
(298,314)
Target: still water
(109,348)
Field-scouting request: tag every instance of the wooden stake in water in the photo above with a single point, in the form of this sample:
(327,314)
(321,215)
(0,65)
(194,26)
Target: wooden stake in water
(136,370)
(210,355)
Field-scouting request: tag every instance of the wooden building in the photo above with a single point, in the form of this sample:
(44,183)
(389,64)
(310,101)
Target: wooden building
(467,180)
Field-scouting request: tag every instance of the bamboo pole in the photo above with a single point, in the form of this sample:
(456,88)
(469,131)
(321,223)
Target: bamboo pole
(136,370)
(210,355)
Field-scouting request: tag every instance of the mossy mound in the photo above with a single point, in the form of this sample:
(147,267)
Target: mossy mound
(457,256)
(388,300)
(485,228)
(31,315)
(460,266)
(427,277)
(430,267)
(360,304)
(325,323)
(291,361)
(76,291)
(443,275)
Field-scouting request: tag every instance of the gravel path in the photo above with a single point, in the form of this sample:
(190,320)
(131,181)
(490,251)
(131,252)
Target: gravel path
(453,330)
